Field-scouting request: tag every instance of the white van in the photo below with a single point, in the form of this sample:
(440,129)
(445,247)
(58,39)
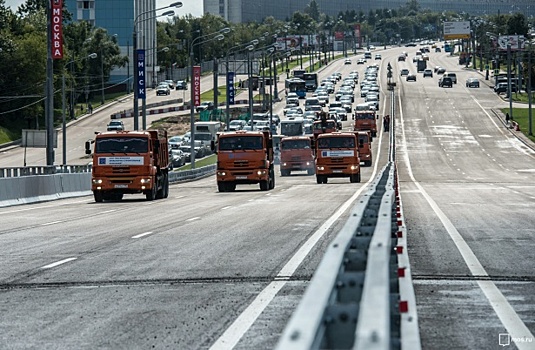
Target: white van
(368,55)
(453,76)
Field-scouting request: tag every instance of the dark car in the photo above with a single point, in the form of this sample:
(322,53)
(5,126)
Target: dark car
(205,106)
(411,77)
(163,89)
(503,87)
(181,85)
(428,73)
(445,82)
(472,83)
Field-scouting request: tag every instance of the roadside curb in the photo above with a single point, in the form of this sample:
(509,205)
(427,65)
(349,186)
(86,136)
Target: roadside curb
(518,134)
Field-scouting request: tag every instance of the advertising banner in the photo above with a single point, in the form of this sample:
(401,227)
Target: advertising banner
(516,41)
(196,85)
(140,71)
(456,30)
(357,34)
(230,88)
(57,30)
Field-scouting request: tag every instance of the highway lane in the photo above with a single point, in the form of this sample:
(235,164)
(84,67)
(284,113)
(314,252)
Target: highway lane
(198,269)
(468,191)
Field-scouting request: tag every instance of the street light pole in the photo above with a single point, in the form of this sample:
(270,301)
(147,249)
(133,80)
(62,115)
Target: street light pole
(102,75)
(509,92)
(211,36)
(135,55)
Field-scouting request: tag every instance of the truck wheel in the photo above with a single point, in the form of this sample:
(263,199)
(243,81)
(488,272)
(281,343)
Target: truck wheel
(264,185)
(368,163)
(221,187)
(166,186)
(358,177)
(231,186)
(271,179)
(318,179)
(325,179)
(99,198)
(151,195)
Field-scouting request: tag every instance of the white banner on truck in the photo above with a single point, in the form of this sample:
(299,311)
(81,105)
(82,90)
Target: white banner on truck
(120,161)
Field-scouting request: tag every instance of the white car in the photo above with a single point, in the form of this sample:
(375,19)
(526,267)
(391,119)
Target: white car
(115,125)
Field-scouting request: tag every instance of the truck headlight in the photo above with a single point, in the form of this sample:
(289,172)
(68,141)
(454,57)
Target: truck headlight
(97,181)
(321,168)
(145,181)
(221,173)
(354,167)
(283,164)
(261,172)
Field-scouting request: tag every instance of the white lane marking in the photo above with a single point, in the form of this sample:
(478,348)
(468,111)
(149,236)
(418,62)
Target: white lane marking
(245,320)
(178,197)
(108,211)
(505,312)
(39,207)
(142,235)
(227,207)
(193,219)
(52,223)
(57,263)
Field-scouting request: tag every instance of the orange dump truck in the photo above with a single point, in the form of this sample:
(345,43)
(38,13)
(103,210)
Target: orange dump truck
(366,121)
(296,154)
(365,147)
(129,162)
(337,155)
(323,126)
(245,157)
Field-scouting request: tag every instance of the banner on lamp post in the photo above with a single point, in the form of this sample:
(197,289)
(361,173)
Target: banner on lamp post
(57,29)
(140,71)
(230,88)
(196,85)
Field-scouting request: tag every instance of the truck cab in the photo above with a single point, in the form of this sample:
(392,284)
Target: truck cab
(365,147)
(296,154)
(366,121)
(245,157)
(337,155)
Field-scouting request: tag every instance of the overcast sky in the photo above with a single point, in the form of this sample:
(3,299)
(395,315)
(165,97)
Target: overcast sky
(189,6)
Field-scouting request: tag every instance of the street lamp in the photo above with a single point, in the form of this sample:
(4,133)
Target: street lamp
(64,122)
(219,35)
(247,46)
(135,56)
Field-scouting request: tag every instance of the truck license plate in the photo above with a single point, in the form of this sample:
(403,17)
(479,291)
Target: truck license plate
(121,186)
(241,177)
(337,171)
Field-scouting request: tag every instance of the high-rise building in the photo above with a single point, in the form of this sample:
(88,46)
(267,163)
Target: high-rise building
(242,11)
(118,18)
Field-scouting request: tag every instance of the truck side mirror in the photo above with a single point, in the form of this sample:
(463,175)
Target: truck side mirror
(213,147)
(88,147)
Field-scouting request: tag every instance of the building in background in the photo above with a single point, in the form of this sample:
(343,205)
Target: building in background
(242,11)
(117,17)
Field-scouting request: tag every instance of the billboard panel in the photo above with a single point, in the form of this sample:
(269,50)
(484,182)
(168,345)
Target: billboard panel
(456,30)
(517,42)
(196,85)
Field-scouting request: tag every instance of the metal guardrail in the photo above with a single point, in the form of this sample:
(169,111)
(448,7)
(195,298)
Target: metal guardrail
(361,296)
(192,174)
(44,170)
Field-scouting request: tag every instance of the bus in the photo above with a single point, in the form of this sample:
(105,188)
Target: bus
(296,85)
(293,127)
(311,81)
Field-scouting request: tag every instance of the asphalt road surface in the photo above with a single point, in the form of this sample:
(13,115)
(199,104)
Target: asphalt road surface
(204,269)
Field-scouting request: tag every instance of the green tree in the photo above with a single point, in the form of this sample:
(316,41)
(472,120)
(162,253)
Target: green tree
(312,10)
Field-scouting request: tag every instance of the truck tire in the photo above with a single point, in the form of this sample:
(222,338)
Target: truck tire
(221,186)
(151,195)
(231,186)
(358,177)
(99,198)
(166,186)
(271,179)
(368,163)
(353,178)
(264,185)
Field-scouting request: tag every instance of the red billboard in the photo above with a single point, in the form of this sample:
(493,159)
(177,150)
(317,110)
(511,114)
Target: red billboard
(196,85)
(57,30)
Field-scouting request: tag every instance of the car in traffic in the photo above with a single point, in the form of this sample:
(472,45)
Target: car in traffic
(452,75)
(170,83)
(177,157)
(428,73)
(181,85)
(163,89)
(378,56)
(347,61)
(236,124)
(175,141)
(445,82)
(404,72)
(411,77)
(205,106)
(504,87)
(115,125)
(472,83)
(441,70)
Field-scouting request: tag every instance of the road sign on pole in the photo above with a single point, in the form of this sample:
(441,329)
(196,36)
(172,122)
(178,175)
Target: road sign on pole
(456,30)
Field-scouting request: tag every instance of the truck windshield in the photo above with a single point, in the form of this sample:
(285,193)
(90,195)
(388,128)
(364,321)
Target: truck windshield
(240,143)
(295,144)
(336,142)
(365,116)
(328,125)
(292,128)
(121,145)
